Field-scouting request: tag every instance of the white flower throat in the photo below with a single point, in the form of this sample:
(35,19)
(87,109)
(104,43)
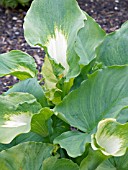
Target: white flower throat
(57,49)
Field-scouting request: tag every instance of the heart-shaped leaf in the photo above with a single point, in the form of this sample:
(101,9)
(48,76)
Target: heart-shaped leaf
(88,39)
(39,123)
(16,111)
(56,30)
(111,137)
(31,86)
(29,155)
(73,141)
(53,163)
(103,95)
(113,50)
(115,163)
(17,63)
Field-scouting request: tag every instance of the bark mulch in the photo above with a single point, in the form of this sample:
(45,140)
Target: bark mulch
(110,14)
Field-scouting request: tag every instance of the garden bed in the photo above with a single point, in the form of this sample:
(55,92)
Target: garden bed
(110,14)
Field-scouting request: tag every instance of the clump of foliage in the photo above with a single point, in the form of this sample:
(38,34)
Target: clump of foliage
(14,3)
(78,119)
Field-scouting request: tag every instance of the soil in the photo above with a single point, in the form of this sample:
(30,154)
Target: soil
(110,14)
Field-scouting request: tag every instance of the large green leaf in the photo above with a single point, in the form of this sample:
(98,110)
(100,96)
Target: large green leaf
(111,137)
(74,142)
(19,101)
(56,30)
(123,117)
(88,39)
(58,127)
(15,115)
(5,146)
(17,63)
(53,163)
(30,86)
(92,160)
(103,95)
(48,125)
(39,123)
(115,163)
(25,156)
(113,50)
(25,137)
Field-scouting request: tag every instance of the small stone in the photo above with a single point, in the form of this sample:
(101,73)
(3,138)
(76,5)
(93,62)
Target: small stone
(17,33)
(19,21)
(14,18)
(14,28)
(116,8)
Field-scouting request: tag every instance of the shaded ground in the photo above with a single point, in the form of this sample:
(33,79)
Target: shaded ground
(110,14)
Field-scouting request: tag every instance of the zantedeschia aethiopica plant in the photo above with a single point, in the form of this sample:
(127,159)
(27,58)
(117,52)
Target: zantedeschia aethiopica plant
(78,119)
